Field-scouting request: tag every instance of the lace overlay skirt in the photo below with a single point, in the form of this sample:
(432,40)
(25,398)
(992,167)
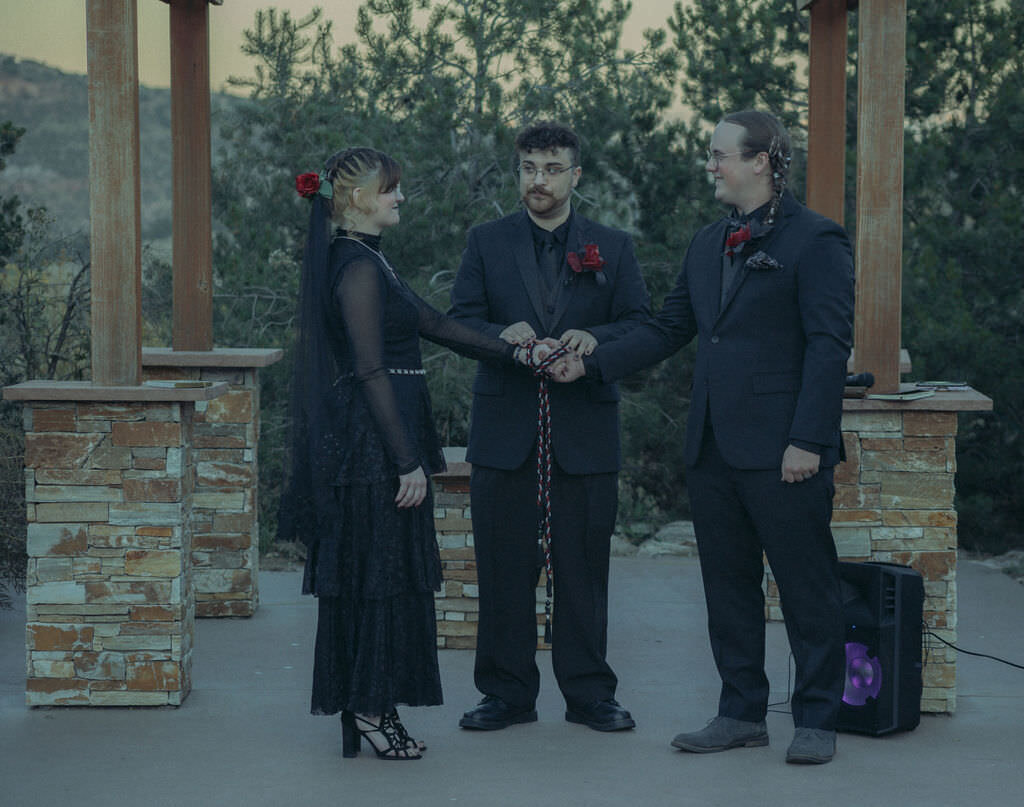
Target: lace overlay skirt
(374,575)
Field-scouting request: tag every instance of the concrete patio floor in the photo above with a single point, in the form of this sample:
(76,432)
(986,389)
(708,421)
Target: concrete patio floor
(245,737)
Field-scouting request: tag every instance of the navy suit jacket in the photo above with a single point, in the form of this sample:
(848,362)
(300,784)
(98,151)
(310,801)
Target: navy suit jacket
(498,284)
(771,359)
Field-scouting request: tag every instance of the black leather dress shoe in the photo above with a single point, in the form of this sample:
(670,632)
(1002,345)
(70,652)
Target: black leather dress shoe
(607,715)
(493,713)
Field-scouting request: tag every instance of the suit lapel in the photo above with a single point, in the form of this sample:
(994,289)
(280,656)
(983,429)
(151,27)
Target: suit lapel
(787,209)
(709,296)
(525,258)
(737,281)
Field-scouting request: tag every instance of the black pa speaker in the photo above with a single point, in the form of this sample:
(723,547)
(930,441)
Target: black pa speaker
(883,609)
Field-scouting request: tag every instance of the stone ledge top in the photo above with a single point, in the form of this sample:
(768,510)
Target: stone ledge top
(966,400)
(218,357)
(455,458)
(47,390)
(905,364)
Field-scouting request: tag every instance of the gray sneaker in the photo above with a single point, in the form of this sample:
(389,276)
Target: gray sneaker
(721,734)
(812,747)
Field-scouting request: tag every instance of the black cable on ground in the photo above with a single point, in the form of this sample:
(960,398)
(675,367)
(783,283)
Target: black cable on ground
(971,652)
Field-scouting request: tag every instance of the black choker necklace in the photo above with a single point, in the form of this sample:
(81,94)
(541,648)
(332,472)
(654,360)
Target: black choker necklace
(372,243)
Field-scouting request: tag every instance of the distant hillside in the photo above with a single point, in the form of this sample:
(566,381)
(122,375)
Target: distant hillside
(51,165)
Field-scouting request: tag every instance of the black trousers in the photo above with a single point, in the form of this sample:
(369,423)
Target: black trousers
(505,522)
(736,515)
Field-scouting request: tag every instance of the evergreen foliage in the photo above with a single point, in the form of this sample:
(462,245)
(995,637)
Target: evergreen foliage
(444,97)
(12,490)
(963,261)
(444,85)
(44,333)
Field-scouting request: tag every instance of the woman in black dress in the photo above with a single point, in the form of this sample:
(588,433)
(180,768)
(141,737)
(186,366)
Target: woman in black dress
(362,449)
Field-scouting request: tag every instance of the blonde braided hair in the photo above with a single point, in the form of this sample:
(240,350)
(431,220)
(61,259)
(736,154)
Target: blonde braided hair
(354,168)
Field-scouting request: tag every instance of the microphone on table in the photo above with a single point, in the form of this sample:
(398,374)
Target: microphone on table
(860,380)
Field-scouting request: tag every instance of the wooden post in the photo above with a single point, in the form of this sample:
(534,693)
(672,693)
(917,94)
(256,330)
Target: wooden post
(190,134)
(826,116)
(881,64)
(114,213)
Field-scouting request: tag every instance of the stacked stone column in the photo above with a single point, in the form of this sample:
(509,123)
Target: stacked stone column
(457,604)
(225,546)
(894,503)
(109,490)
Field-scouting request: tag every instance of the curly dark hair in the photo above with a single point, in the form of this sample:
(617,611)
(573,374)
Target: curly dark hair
(546,135)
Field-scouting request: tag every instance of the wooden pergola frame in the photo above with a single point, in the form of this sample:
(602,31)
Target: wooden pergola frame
(115,188)
(112,44)
(881,65)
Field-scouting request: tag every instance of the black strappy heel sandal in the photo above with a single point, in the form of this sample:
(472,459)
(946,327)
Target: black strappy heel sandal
(399,746)
(410,742)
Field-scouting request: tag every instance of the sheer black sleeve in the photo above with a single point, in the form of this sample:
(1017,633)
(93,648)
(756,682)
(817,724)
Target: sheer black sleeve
(445,331)
(359,296)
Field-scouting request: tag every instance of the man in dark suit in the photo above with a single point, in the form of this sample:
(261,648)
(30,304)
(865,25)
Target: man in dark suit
(545,272)
(768,293)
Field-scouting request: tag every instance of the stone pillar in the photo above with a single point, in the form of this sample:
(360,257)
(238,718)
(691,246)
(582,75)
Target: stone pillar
(225,547)
(894,502)
(457,604)
(109,491)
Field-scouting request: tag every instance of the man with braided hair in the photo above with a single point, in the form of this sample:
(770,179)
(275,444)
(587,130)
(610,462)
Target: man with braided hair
(768,292)
(545,273)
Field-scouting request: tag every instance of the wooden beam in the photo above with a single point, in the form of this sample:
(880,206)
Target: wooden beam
(47,390)
(881,66)
(114,212)
(190,135)
(826,116)
(800,4)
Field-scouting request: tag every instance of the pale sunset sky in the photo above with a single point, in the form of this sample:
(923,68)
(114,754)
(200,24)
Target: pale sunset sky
(53,32)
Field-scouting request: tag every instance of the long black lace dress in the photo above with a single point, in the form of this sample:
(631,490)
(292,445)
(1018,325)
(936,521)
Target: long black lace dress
(374,567)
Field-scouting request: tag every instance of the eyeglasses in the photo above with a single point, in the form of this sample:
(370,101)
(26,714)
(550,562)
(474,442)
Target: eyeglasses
(529,170)
(715,157)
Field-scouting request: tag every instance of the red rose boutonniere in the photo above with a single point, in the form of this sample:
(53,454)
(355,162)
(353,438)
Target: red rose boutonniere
(309,185)
(591,261)
(737,239)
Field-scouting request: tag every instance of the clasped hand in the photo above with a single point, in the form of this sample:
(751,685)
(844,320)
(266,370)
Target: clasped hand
(412,487)
(580,343)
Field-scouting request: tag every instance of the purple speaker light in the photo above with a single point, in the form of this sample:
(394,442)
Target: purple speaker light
(863,675)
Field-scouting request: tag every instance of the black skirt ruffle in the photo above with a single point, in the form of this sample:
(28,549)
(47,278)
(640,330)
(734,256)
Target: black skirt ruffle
(375,575)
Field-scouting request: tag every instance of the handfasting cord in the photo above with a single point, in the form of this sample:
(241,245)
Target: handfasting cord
(544,461)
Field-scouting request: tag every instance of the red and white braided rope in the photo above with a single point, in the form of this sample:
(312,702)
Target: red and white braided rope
(544,464)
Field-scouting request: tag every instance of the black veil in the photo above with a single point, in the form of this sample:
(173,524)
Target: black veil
(305,498)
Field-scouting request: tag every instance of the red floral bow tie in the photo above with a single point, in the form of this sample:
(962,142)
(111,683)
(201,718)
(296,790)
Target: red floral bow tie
(735,239)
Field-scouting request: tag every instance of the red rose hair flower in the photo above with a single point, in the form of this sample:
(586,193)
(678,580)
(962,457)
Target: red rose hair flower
(307,185)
